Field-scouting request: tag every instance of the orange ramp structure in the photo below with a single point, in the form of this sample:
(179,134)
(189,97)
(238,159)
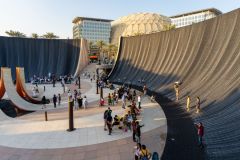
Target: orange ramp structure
(21,87)
(2,88)
(15,98)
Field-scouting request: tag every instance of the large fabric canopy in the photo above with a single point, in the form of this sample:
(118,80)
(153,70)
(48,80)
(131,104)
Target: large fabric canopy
(205,57)
(40,56)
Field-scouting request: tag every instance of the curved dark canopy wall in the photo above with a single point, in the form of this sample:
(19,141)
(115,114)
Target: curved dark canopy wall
(40,56)
(206,58)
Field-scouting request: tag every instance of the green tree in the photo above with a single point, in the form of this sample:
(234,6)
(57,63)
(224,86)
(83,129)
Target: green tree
(90,45)
(111,50)
(100,45)
(15,33)
(49,35)
(114,50)
(35,35)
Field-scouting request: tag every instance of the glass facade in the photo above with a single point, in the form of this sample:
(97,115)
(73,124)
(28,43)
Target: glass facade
(92,30)
(188,19)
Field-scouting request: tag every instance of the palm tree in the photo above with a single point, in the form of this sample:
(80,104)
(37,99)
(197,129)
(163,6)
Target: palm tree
(90,45)
(35,35)
(109,49)
(50,35)
(112,51)
(100,45)
(15,33)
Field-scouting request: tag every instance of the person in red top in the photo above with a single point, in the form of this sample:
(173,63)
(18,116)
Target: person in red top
(134,130)
(200,131)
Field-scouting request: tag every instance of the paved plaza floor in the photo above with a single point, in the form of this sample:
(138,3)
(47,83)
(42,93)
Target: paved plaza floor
(30,137)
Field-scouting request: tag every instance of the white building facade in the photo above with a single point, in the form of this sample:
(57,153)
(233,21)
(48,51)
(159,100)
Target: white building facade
(194,17)
(92,29)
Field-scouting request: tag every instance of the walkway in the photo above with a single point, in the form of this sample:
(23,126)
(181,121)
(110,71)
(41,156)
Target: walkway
(30,137)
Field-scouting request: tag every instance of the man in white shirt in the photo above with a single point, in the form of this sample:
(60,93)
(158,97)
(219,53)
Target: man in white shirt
(139,101)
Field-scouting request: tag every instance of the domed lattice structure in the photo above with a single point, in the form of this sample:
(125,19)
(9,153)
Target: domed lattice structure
(139,23)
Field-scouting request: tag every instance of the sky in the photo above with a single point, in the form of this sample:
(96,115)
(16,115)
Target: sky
(41,16)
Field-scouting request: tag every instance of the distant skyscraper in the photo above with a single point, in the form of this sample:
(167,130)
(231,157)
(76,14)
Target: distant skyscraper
(194,17)
(92,29)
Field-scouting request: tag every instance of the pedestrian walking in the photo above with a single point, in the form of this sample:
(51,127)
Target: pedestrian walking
(139,102)
(197,105)
(44,101)
(79,100)
(109,123)
(64,89)
(113,98)
(200,132)
(138,133)
(105,115)
(59,99)
(134,130)
(144,89)
(176,88)
(134,94)
(55,100)
(188,103)
(69,93)
(109,99)
(85,102)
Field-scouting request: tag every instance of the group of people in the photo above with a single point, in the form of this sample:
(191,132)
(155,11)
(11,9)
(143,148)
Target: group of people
(124,122)
(188,103)
(127,121)
(197,104)
(56,99)
(112,98)
(199,126)
(79,102)
(50,78)
(40,80)
(88,75)
(126,93)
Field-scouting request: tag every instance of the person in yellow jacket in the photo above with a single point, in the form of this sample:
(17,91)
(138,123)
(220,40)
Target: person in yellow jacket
(176,88)
(145,153)
(198,105)
(188,103)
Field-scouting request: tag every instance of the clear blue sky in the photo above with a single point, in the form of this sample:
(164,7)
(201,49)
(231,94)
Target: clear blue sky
(41,16)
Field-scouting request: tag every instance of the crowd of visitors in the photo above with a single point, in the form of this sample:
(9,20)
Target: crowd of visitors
(128,121)
(79,101)
(50,78)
